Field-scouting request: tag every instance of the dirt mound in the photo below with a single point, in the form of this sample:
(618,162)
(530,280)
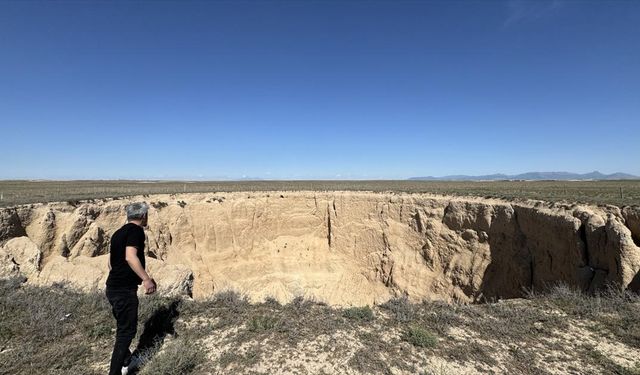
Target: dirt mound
(339,247)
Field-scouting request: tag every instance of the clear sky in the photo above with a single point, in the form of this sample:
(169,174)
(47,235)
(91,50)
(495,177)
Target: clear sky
(318,89)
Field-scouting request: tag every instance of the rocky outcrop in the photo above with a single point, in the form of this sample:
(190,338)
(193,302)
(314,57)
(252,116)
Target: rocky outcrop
(338,247)
(93,243)
(90,273)
(172,279)
(8,266)
(468,215)
(622,254)
(10,225)
(22,256)
(632,217)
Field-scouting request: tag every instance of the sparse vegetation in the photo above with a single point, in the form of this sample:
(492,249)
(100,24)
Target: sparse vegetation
(593,192)
(179,357)
(182,204)
(436,370)
(359,313)
(419,336)
(616,312)
(55,330)
(159,205)
(607,364)
(215,199)
(50,330)
(100,330)
(401,308)
(261,323)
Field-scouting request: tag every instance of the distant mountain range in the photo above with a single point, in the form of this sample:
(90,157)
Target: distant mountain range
(595,175)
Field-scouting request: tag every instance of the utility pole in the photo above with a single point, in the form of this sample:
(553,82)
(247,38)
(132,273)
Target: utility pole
(621,195)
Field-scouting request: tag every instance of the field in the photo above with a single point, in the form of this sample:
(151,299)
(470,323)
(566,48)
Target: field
(620,193)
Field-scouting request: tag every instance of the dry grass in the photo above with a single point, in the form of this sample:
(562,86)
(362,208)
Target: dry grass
(616,312)
(178,357)
(594,192)
(227,334)
(51,330)
(359,313)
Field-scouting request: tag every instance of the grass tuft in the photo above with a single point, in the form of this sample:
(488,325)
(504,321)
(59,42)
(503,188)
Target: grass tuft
(420,337)
(261,323)
(401,308)
(359,313)
(176,358)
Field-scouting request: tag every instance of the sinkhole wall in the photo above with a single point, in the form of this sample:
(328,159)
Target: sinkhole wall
(343,248)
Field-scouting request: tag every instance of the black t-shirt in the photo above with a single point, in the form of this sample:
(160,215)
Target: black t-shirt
(121,275)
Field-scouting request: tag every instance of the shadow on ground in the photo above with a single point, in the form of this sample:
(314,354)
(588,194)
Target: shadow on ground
(156,328)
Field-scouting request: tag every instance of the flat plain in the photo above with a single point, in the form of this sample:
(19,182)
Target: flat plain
(614,192)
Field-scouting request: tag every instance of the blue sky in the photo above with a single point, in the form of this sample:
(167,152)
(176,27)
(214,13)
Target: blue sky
(318,89)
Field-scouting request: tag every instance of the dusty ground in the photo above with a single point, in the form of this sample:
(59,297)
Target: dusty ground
(55,330)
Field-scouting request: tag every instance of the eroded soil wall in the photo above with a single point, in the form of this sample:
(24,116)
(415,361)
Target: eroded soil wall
(340,247)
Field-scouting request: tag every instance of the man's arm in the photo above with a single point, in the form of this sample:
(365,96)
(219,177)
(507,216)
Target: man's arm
(136,266)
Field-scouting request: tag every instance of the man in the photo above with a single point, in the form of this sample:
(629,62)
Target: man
(126,272)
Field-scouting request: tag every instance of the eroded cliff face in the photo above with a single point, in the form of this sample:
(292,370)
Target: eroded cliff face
(340,247)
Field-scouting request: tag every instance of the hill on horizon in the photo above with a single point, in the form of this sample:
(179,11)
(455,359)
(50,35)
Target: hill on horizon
(595,175)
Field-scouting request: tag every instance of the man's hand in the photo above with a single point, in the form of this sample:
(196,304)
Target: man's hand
(149,286)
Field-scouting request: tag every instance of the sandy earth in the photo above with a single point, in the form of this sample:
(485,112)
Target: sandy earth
(343,248)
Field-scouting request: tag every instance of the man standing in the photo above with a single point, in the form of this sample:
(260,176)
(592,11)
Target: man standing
(126,272)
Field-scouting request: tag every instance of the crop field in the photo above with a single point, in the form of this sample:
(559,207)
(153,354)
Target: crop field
(620,193)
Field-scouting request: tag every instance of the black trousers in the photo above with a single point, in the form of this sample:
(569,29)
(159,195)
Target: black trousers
(124,305)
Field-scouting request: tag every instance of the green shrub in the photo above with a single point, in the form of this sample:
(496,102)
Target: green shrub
(359,313)
(420,337)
